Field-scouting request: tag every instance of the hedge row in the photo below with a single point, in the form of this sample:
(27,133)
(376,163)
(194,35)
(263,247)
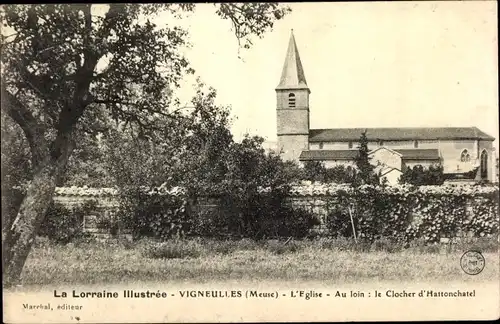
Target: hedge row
(261,215)
(401,213)
(406,213)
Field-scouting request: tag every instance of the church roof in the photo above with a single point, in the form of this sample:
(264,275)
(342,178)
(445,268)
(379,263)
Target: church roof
(349,155)
(292,76)
(321,155)
(419,154)
(398,134)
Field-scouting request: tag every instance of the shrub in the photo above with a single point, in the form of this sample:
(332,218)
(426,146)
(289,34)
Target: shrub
(162,216)
(110,222)
(420,176)
(267,215)
(338,220)
(209,220)
(317,172)
(406,213)
(62,224)
(175,249)
(284,221)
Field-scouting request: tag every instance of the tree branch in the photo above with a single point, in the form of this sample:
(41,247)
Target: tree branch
(73,110)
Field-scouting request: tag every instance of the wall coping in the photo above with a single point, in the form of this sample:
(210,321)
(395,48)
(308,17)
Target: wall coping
(305,189)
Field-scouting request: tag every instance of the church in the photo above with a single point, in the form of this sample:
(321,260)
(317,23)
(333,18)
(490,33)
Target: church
(464,152)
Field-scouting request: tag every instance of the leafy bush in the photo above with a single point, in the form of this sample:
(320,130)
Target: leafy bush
(210,219)
(277,219)
(62,224)
(110,222)
(317,172)
(162,216)
(406,213)
(338,221)
(266,215)
(420,176)
(374,215)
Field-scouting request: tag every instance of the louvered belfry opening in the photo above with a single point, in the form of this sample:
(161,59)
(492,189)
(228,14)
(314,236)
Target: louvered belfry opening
(291,100)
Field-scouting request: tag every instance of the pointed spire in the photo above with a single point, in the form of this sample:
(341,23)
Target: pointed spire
(292,76)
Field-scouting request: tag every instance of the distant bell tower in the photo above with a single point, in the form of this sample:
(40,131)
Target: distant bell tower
(292,107)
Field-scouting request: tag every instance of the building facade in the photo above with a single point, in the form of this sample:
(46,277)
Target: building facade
(460,150)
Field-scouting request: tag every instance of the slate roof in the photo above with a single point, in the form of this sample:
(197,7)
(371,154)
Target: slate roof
(399,133)
(348,155)
(293,76)
(321,155)
(419,154)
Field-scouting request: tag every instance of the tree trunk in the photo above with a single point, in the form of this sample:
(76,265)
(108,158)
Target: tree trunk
(22,233)
(11,202)
(31,214)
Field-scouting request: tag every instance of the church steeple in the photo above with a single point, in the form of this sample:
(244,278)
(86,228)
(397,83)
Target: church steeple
(292,76)
(292,106)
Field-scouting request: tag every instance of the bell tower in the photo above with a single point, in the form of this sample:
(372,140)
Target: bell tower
(292,94)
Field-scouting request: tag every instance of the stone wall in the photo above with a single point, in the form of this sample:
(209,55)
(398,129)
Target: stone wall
(481,204)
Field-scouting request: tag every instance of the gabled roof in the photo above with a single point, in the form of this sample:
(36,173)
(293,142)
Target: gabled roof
(386,149)
(292,76)
(398,134)
(384,170)
(349,155)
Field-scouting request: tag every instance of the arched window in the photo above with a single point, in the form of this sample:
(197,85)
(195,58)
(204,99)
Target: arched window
(415,144)
(484,164)
(380,143)
(350,145)
(291,100)
(465,157)
(321,145)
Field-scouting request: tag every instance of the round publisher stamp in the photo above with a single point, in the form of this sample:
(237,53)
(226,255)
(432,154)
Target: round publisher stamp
(472,262)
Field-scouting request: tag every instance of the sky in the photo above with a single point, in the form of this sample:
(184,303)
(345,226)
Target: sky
(368,64)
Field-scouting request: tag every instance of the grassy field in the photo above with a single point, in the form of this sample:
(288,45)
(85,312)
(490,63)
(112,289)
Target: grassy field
(202,261)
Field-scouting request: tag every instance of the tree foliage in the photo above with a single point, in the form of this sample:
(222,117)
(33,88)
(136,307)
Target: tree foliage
(16,170)
(366,174)
(317,172)
(205,161)
(420,176)
(67,69)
